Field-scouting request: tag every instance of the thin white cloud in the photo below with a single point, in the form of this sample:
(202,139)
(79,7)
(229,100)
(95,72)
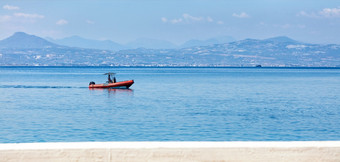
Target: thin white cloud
(4,18)
(286,26)
(301,26)
(330,12)
(220,22)
(89,21)
(192,18)
(164,19)
(62,22)
(21,18)
(32,16)
(176,21)
(241,15)
(262,23)
(305,14)
(187,18)
(209,19)
(324,13)
(9,7)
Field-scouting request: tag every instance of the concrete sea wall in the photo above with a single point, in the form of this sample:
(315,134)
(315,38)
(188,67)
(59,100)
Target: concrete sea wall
(172,151)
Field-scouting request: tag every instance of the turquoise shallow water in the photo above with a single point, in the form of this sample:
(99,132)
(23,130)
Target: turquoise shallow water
(52,104)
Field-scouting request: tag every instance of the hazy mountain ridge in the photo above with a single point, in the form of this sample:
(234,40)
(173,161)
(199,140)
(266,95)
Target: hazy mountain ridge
(278,51)
(76,41)
(23,40)
(217,40)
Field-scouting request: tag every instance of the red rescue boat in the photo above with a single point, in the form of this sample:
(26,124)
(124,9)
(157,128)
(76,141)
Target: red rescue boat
(123,84)
(112,84)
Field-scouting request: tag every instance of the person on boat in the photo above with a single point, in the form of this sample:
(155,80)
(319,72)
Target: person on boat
(114,80)
(109,79)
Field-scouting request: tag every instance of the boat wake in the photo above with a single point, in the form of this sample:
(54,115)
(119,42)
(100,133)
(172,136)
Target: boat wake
(29,86)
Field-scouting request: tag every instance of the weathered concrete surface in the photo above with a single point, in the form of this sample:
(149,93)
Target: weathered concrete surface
(172,151)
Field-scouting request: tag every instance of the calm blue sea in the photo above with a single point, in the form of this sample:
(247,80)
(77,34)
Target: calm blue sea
(53,104)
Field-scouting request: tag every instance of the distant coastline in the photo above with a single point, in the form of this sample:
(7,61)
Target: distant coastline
(105,66)
(23,49)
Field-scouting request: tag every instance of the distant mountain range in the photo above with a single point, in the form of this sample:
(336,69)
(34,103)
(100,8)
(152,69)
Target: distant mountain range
(212,41)
(76,41)
(22,49)
(23,40)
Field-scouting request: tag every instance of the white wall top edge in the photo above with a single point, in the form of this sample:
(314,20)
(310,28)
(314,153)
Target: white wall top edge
(138,145)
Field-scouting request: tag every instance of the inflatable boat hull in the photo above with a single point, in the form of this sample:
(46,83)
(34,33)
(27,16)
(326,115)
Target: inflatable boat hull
(123,84)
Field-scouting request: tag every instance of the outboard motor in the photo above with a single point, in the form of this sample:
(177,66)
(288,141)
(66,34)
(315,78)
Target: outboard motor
(92,83)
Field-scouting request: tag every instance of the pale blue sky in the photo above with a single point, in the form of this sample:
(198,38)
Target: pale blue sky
(177,21)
